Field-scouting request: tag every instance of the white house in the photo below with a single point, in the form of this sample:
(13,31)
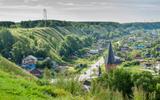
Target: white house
(94,51)
(29,62)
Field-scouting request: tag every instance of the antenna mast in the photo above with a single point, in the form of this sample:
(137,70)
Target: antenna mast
(45,16)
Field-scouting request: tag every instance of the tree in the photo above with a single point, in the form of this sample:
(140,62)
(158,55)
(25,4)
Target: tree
(6,42)
(121,80)
(146,81)
(18,51)
(47,74)
(118,79)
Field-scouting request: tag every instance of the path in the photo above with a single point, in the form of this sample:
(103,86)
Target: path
(92,71)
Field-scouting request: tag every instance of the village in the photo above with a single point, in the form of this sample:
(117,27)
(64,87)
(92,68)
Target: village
(134,47)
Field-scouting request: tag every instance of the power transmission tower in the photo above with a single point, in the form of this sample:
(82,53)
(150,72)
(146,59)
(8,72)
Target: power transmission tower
(45,16)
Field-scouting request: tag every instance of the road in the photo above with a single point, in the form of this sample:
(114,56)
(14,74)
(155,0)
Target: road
(92,71)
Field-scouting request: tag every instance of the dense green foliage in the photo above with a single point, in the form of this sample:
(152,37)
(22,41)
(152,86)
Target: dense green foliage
(131,63)
(60,41)
(54,41)
(125,82)
(40,42)
(6,42)
(7,24)
(116,85)
(72,44)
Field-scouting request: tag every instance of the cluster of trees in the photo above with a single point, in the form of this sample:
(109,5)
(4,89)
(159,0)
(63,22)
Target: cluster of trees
(6,42)
(131,63)
(16,50)
(19,50)
(154,51)
(126,82)
(7,24)
(72,45)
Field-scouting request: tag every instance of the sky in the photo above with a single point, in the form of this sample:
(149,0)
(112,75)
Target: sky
(81,10)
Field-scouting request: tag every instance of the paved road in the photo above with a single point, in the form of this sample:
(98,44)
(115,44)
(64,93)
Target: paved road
(92,71)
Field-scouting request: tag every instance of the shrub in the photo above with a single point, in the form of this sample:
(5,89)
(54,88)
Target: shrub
(131,63)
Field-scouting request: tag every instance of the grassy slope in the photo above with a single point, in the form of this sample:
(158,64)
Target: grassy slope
(13,69)
(38,37)
(15,84)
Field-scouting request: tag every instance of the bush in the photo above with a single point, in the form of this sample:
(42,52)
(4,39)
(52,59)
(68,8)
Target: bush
(131,63)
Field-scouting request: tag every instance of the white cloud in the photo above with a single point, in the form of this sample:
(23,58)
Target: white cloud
(112,10)
(66,3)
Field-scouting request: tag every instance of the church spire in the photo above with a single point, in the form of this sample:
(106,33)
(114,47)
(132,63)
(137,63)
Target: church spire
(110,60)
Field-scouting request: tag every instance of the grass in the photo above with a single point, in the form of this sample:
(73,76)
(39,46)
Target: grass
(40,38)
(15,85)
(13,69)
(135,69)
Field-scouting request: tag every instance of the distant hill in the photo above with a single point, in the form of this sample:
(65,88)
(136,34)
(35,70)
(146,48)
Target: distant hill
(34,38)
(69,24)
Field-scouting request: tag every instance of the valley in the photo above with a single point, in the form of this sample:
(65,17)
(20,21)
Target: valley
(59,60)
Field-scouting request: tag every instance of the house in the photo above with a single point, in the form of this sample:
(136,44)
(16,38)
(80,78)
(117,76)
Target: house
(36,72)
(94,51)
(158,49)
(137,56)
(139,39)
(139,47)
(131,39)
(51,62)
(154,34)
(148,45)
(100,50)
(29,62)
(148,55)
(124,49)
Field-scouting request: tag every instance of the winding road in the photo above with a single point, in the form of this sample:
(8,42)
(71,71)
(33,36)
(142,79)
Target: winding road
(92,71)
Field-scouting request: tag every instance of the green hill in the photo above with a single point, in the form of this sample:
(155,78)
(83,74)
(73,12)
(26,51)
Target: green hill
(17,84)
(12,69)
(32,38)
(41,42)
(18,43)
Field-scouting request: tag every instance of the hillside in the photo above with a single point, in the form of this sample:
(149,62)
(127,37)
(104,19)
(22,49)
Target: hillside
(12,69)
(46,41)
(41,42)
(15,84)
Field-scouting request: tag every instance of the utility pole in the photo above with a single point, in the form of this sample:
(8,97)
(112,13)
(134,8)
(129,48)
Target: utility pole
(45,16)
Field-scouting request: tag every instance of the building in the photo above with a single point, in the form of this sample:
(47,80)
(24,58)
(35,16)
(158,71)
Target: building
(111,60)
(29,62)
(94,51)
(36,72)
(139,47)
(158,49)
(125,49)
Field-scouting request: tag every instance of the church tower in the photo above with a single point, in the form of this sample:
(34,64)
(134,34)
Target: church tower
(110,59)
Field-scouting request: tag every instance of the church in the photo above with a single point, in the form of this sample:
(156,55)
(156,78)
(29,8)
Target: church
(111,61)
